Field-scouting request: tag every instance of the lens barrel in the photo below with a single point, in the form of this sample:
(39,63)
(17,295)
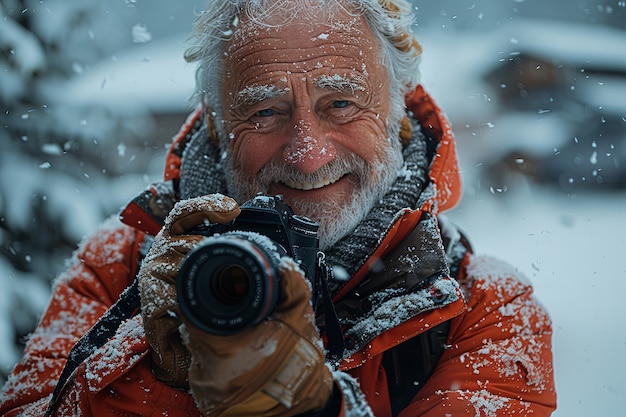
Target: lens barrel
(228,283)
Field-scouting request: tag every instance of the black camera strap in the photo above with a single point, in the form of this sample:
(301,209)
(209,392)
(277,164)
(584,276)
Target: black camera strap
(96,337)
(334,335)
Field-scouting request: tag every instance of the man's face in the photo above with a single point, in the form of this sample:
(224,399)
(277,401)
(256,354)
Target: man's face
(306,107)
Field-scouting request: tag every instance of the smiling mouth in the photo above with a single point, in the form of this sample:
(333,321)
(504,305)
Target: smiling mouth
(306,186)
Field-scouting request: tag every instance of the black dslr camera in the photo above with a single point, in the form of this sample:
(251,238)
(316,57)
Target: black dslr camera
(230,281)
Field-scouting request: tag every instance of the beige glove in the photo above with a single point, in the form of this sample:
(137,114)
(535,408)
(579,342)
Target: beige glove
(276,368)
(159,306)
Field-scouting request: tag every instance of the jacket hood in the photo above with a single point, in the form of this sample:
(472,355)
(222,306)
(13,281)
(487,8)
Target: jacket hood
(444,170)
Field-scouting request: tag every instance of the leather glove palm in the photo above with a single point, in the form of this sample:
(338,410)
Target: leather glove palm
(276,368)
(157,278)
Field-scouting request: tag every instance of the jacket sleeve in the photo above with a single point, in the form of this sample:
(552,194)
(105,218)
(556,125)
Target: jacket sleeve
(499,358)
(99,271)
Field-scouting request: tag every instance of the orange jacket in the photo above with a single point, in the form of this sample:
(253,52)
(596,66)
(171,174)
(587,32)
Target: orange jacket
(498,360)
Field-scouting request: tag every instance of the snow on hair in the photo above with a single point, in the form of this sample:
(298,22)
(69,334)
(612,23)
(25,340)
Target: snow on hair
(390,21)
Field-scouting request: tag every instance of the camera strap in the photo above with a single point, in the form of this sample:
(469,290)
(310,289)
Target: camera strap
(96,337)
(335,344)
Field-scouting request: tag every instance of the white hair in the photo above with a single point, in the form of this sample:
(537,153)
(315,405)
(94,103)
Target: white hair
(390,21)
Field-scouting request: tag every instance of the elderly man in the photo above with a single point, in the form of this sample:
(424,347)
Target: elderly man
(318,102)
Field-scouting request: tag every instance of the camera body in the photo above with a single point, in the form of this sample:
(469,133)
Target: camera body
(231,281)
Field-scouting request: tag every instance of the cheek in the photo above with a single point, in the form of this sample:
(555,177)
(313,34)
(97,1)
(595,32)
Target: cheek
(251,152)
(366,137)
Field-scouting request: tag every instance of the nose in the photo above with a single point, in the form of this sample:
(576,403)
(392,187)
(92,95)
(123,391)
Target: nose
(310,147)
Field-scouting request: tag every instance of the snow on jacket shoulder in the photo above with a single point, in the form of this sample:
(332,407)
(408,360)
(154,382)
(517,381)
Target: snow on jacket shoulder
(499,356)
(100,270)
(117,380)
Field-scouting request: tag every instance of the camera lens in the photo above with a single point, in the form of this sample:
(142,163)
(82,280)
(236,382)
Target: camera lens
(228,283)
(231,284)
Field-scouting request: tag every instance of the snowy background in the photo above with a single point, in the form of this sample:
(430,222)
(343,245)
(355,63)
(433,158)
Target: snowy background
(92,91)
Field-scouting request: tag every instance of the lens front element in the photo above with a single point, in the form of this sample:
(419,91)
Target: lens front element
(231,284)
(228,283)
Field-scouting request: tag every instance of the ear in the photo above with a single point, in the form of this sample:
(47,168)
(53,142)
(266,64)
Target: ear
(210,125)
(406,131)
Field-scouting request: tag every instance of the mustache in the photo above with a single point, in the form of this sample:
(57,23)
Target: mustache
(278,172)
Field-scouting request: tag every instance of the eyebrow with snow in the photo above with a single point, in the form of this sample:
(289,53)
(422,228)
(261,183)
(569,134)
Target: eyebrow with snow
(257,94)
(340,83)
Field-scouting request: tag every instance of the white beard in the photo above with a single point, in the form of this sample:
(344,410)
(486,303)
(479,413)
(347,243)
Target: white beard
(337,217)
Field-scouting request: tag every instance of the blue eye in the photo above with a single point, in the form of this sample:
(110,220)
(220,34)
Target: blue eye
(341,104)
(265,113)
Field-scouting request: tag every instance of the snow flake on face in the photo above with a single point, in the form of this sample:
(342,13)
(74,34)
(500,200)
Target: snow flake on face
(321,36)
(301,151)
